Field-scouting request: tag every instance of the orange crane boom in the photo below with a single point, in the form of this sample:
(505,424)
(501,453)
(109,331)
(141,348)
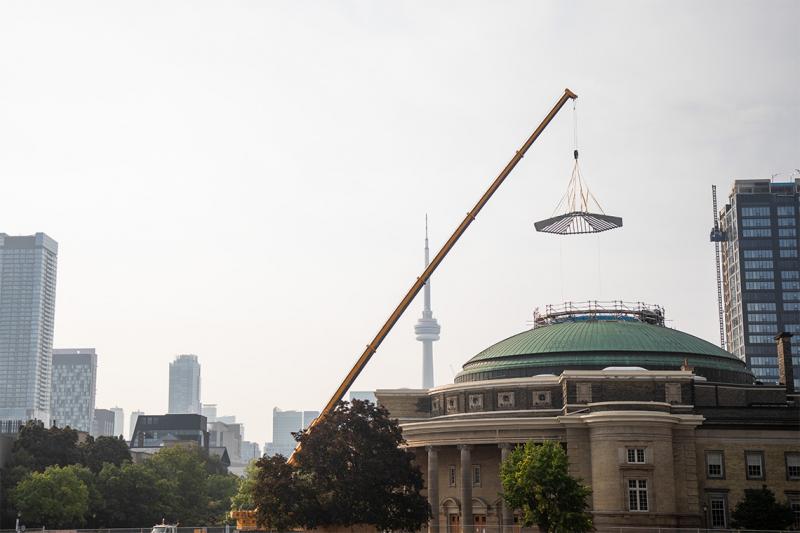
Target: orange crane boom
(372,347)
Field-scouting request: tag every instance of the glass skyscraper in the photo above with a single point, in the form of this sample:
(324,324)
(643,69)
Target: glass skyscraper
(27,307)
(74,383)
(761,272)
(184,385)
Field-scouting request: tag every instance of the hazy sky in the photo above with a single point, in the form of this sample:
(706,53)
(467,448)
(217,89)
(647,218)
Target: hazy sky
(248,181)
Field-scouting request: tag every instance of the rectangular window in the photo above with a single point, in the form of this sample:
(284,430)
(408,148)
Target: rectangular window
(716,511)
(791,296)
(451,475)
(795,506)
(766,361)
(759,274)
(790,285)
(755,211)
(791,328)
(714,465)
(761,307)
(791,306)
(758,254)
(761,339)
(756,233)
(762,317)
(636,455)
(759,285)
(755,263)
(763,328)
(790,274)
(637,495)
(788,252)
(787,243)
(785,210)
(755,223)
(476,475)
(787,232)
(754,462)
(793,465)
(765,372)
(786,221)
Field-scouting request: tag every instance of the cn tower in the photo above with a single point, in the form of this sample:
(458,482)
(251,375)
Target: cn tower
(427,328)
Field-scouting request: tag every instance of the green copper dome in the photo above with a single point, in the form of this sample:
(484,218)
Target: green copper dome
(597,344)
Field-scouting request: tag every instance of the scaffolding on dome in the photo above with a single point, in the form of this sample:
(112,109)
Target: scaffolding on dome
(595,310)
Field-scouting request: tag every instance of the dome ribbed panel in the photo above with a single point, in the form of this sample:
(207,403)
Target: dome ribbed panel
(600,336)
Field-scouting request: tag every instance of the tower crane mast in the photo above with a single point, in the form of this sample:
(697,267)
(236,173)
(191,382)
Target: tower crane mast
(372,347)
(717,236)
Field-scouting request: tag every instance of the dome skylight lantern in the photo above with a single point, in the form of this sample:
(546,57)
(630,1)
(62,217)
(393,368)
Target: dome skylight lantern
(578,211)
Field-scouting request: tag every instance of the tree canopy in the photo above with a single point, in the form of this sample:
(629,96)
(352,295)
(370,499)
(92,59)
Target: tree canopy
(536,480)
(55,498)
(180,484)
(97,452)
(349,470)
(760,510)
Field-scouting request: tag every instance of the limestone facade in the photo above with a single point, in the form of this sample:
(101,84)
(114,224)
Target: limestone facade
(642,440)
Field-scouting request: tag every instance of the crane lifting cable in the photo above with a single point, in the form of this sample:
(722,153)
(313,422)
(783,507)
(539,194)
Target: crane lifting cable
(578,211)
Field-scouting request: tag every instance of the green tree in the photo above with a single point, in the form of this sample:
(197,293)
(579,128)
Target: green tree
(133,496)
(36,448)
(284,499)
(221,489)
(349,470)
(760,510)
(187,468)
(97,452)
(55,498)
(243,499)
(536,480)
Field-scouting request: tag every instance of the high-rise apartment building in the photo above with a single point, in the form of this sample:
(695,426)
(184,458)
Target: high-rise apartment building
(761,271)
(27,308)
(228,435)
(284,423)
(134,417)
(103,423)
(209,410)
(119,421)
(73,387)
(184,385)
(250,451)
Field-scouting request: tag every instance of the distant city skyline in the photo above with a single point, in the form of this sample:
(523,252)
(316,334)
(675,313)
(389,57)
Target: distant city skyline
(191,218)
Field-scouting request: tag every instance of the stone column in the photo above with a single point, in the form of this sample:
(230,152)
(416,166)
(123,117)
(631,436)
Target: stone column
(467,522)
(433,488)
(506,516)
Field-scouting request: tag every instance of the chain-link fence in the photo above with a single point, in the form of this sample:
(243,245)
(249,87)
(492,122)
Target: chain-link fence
(475,529)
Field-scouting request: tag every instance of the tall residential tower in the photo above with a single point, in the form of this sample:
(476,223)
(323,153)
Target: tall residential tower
(72,399)
(27,307)
(184,385)
(761,271)
(427,328)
